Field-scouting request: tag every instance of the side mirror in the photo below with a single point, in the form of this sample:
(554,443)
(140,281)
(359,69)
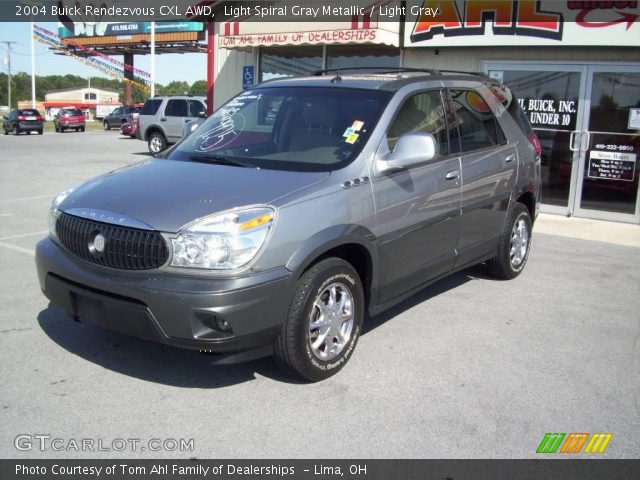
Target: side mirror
(202,114)
(412,148)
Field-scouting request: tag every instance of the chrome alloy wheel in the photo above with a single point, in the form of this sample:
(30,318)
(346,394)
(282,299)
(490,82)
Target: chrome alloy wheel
(331,321)
(519,243)
(156,144)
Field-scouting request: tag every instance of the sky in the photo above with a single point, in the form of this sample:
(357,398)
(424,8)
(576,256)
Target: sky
(188,67)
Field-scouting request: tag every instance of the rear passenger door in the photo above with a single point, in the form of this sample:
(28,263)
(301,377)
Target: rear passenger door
(489,168)
(417,208)
(176,113)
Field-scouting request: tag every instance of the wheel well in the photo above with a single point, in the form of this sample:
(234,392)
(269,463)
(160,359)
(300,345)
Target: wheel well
(151,130)
(528,201)
(358,257)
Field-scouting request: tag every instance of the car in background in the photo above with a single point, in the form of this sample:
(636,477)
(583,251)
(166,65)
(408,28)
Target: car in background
(69,118)
(129,129)
(162,118)
(23,120)
(119,116)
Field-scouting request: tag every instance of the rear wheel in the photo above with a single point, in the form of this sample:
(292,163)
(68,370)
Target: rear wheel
(40,132)
(324,321)
(515,243)
(82,129)
(157,143)
(106,125)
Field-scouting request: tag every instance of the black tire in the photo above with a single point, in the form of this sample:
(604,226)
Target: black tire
(106,125)
(60,129)
(514,246)
(17,131)
(293,349)
(40,132)
(156,143)
(28,132)
(82,129)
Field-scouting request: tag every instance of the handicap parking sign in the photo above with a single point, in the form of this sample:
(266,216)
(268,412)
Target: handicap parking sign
(247,76)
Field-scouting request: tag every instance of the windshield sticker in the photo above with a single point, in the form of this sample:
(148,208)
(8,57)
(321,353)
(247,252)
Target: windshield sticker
(352,138)
(357,125)
(348,132)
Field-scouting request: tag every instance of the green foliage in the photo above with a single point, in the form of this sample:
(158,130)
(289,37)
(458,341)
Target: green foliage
(21,87)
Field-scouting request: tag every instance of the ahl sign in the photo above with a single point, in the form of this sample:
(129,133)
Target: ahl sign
(525,22)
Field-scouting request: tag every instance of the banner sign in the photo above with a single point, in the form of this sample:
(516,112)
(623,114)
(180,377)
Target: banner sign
(462,23)
(101,29)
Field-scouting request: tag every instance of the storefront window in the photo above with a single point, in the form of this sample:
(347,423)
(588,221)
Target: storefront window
(289,61)
(349,56)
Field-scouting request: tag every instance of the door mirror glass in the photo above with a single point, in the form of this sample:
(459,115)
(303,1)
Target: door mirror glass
(412,148)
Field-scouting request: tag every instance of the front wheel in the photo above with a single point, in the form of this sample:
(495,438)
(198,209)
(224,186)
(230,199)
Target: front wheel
(82,129)
(514,246)
(106,125)
(156,143)
(324,321)
(40,132)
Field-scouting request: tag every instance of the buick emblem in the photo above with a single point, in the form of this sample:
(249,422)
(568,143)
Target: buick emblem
(96,247)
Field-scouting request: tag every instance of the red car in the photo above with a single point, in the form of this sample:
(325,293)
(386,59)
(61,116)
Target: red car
(129,129)
(69,119)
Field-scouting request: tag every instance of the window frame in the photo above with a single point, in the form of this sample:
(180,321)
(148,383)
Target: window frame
(451,112)
(443,100)
(186,105)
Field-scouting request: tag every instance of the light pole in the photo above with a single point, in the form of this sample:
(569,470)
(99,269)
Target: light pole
(9,43)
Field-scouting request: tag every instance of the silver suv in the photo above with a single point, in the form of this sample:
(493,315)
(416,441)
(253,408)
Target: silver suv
(297,210)
(162,118)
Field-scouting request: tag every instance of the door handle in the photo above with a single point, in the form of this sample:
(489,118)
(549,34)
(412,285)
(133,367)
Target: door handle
(163,119)
(588,142)
(452,175)
(572,138)
(510,158)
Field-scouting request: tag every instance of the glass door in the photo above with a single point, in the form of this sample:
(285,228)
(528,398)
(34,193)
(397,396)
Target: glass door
(609,144)
(552,97)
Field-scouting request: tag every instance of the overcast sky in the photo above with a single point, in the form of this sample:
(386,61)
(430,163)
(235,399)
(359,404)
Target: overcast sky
(189,67)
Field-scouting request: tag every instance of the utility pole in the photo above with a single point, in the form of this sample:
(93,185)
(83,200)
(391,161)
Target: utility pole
(8,43)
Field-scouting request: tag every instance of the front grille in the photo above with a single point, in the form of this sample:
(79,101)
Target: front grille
(124,248)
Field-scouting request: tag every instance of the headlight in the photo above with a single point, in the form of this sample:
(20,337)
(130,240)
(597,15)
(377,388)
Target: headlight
(54,213)
(222,241)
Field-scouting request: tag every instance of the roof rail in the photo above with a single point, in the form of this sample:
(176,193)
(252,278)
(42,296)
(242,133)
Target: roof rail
(337,71)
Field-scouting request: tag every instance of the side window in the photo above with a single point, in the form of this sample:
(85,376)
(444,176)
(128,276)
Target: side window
(195,107)
(176,108)
(477,126)
(151,107)
(117,111)
(423,112)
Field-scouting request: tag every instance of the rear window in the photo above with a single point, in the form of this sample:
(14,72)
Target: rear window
(29,111)
(151,106)
(72,111)
(508,99)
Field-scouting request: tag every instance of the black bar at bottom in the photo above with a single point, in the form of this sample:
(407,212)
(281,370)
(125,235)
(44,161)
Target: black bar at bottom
(124,469)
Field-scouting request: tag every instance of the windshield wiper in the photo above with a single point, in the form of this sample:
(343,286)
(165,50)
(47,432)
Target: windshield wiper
(218,160)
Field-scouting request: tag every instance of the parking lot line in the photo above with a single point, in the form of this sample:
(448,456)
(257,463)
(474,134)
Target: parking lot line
(16,248)
(22,235)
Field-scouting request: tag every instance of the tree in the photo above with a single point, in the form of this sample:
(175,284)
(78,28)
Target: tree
(199,87)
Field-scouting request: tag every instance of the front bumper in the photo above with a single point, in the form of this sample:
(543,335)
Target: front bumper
(170,308)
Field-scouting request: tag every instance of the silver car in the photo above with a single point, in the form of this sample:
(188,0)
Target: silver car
(296,210)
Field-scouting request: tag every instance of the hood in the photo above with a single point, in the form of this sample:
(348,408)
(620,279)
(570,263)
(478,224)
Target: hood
(167,194)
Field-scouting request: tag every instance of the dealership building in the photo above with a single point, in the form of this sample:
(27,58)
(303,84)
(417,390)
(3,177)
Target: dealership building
(574,65)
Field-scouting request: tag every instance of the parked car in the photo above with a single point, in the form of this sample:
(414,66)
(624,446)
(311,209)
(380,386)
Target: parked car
(69,119)
(129,129)
(275,232)
(23,120)
(162,118)
(119,116)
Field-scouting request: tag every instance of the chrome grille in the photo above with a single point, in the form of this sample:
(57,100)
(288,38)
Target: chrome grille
(124,248)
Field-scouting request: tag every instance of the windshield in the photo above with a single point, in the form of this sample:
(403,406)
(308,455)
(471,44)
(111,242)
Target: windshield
(284,128)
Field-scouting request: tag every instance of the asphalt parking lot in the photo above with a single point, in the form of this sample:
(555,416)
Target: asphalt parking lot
(470,367)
